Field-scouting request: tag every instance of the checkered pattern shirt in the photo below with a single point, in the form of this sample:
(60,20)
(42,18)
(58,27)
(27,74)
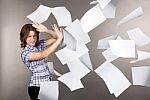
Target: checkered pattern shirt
(39,68)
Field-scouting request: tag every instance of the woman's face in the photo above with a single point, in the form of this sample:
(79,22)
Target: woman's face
(32,38)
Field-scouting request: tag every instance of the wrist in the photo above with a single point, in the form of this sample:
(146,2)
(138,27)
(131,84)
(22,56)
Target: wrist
(48,31)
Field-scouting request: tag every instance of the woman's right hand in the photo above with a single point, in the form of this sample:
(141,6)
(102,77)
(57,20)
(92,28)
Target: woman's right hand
(40,27)
(58,31)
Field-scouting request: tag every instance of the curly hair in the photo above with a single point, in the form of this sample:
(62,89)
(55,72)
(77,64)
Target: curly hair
(25,32)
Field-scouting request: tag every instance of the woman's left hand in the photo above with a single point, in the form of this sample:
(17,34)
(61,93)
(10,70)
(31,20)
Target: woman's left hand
(40,27)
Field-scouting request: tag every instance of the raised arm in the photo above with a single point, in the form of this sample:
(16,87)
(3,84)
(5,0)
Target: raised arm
(42,28)
(51,48)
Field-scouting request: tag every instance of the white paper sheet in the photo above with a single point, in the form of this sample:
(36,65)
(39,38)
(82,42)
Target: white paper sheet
(75,29)
(49,90)
(141,75)
(92,18)
(110,10)
(51,67)
(85,59)
(109,56)
(71,82)
(62,16)
(69,41)
(78,69)
(141,55)
(93,2)
(103,3)
(123,48)
(66,55)
(52,70)
(119,38)
(103,43)
(136,13)
(138,36)
(40,15)
(113,77)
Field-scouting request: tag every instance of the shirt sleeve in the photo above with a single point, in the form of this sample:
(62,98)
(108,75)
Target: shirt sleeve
(25,55)
(42,45)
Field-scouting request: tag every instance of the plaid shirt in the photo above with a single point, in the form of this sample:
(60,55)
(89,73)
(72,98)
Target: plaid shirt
(39,68)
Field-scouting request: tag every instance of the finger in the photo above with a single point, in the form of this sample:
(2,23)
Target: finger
(52,27)
(56,27)
(60,29)
(34,24)
(38,30)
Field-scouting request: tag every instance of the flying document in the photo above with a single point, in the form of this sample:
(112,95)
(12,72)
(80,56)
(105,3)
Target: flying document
(66,55)
(92,18)
(40,15)
(75,29)
(110,10)
(136,13)
(115,80)
(102,3)
(68,41)
(123,48)
(104,44)
(62,16)
(109,56)
(85,59)
(51,69)
(119,38)
(140,76)
(139,37)
(70,81)
(141,55)
(78,69)
(49,90)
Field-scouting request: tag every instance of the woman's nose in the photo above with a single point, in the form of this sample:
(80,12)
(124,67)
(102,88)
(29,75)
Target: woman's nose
(32,38)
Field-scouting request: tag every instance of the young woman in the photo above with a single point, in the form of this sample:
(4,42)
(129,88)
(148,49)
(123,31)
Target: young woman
(34,53)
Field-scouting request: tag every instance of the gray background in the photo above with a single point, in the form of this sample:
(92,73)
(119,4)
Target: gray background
(14,75)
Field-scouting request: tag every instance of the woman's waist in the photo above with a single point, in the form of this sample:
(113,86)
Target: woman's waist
(46,73)
(39,69)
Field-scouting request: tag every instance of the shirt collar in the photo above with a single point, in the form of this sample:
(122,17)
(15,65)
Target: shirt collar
(30,47)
